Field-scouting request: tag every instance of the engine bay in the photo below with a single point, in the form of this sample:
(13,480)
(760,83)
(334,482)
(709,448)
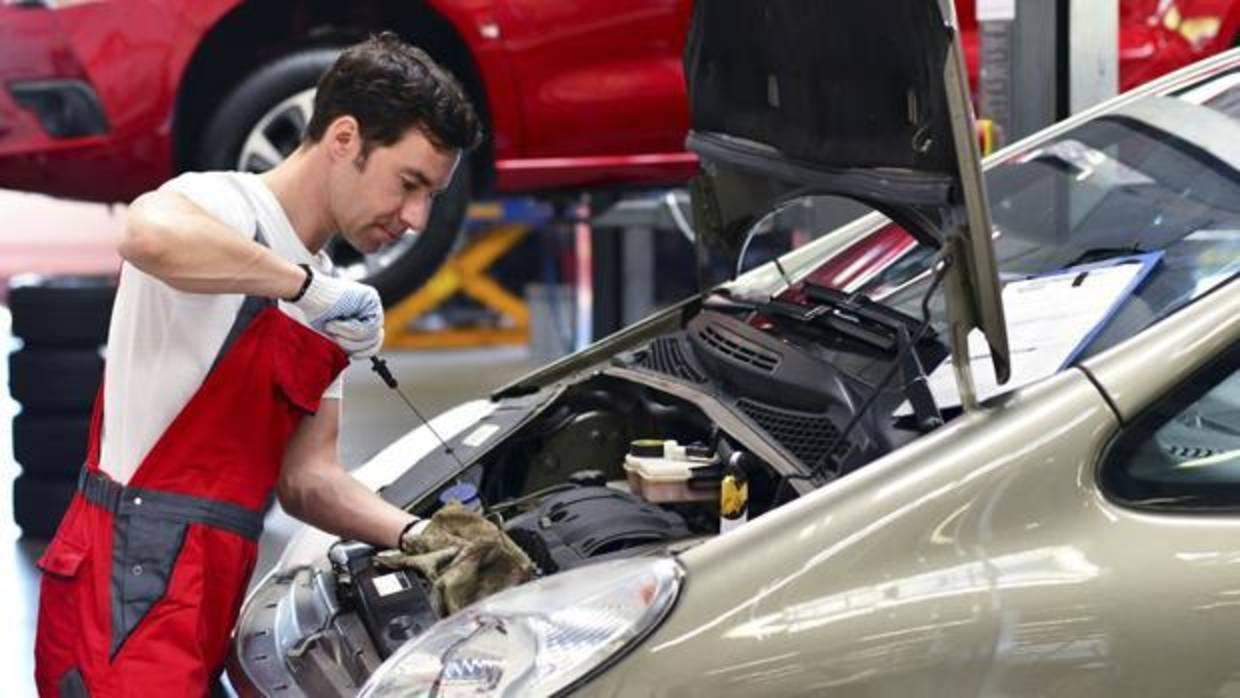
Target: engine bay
(669,444)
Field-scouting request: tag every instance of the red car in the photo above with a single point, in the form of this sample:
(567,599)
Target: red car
(1156,36)
(104,99)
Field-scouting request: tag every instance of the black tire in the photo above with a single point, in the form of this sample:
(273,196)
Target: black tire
(242,110)
(50,447)
(38,505)
(55,381)
(62,311)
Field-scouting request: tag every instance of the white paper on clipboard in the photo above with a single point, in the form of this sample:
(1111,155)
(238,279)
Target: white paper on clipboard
(996,10)
(1048,317)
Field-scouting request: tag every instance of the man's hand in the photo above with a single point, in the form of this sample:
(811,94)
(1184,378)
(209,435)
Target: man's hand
(349,313)
(465,557)
(359,340)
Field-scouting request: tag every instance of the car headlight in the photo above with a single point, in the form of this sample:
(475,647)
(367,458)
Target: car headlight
(535,639)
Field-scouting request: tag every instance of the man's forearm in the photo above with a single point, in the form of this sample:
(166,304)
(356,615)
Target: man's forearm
(170,238)
(338,503)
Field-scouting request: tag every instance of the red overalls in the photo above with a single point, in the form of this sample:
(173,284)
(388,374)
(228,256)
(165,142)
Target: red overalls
(142,584)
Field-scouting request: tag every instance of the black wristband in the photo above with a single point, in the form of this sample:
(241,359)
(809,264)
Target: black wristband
(406,529)
(304,284)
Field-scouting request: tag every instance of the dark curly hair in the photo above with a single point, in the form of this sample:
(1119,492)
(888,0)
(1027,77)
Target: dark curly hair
(390,86)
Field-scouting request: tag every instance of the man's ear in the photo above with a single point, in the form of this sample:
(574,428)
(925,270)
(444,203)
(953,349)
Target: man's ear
(343,140)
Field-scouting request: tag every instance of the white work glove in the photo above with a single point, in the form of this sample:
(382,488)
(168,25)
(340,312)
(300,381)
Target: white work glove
(359,340)
(349,313)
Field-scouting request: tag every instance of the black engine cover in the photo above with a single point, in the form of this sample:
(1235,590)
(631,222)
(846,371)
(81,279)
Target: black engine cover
(764,367)
(570,528)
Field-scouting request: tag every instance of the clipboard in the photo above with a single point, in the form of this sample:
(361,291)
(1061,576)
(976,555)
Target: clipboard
(1147,262)
(1052,319)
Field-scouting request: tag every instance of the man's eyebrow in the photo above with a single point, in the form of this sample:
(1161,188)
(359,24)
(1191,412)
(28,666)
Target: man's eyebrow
(418,175)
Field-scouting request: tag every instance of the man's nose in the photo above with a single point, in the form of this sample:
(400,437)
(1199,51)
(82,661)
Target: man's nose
(415,211)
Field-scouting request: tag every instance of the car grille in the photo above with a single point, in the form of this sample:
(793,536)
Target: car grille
(806,435)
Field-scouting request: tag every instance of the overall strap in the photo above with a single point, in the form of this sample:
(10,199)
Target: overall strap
(94,438)
(250,308)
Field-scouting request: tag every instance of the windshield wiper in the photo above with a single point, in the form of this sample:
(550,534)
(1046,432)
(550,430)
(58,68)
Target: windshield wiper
(848,316)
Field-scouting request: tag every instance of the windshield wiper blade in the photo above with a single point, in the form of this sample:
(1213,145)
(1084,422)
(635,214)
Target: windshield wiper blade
(867,310)
(850,316)
(824,317)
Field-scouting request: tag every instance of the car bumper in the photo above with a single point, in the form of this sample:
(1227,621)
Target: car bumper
(55,133)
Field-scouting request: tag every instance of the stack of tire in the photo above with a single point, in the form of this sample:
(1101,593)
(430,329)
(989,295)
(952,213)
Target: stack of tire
(62,323)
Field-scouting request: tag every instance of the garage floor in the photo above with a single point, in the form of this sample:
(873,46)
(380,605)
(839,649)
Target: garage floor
(373,417)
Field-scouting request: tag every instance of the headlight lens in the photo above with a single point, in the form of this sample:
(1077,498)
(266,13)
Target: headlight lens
(535,639)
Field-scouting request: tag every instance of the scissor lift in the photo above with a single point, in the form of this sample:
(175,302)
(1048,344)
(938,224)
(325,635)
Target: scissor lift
(497,227)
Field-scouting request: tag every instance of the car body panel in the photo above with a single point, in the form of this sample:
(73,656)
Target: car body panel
(999,568)
(477,24)
(540,174)
(618,84)
(386,465)
(875,585)
(133,54)
(1182,339)
(586,105)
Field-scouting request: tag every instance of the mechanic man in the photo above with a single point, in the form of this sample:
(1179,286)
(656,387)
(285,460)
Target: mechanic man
(223,383)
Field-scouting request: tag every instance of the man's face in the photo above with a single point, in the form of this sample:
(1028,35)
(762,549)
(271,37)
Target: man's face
(378,198)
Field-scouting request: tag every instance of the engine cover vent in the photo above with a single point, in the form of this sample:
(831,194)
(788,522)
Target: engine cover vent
(730,344)
(666,355)
(748,362)
(804,434)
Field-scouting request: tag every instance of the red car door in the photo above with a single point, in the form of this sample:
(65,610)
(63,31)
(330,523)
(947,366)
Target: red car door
(598,79)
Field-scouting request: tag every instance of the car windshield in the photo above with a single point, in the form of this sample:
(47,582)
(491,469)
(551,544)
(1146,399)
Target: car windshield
(1122,183)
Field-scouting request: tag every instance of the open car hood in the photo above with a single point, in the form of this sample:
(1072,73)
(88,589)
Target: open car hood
(863,100)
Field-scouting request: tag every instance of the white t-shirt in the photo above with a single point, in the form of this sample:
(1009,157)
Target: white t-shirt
(162,341)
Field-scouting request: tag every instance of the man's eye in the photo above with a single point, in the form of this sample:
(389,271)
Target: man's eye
(408,185)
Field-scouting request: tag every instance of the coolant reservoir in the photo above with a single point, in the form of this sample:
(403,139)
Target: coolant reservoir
(664,471)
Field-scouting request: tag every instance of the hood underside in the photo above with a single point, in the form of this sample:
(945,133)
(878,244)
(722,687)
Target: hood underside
(836,84)
(864,100)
